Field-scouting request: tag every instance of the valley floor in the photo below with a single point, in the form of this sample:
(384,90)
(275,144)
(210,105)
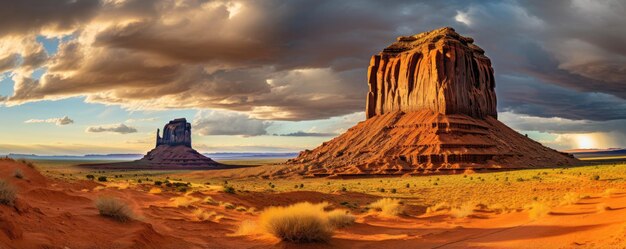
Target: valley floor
(580,207)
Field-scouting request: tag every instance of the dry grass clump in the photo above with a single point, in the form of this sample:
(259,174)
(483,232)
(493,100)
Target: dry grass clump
(610,192)
(183,201)
(570,198)
(18,174)
(301,222)
(537,210)
(389,207)
(155,191)
(209,200)
(247,227)
(203,215)
(7,193)
(465,210)
(498,208)
(340,218)
(438,207)
(114,208)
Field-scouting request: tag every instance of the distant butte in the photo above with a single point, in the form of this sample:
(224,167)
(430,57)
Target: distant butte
(431,107)
(173,151)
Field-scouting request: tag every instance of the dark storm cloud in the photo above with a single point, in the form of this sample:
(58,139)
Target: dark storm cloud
(296,60)
(23,16)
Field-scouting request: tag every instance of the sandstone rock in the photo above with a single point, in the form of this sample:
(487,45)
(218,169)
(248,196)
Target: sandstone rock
(439,70)
(431,107)
(173,150)
(176,132)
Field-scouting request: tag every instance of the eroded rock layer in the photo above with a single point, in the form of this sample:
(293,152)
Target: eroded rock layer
(439,70)
(424,141)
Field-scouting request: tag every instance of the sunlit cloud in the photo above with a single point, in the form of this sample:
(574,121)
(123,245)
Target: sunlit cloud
(58,121)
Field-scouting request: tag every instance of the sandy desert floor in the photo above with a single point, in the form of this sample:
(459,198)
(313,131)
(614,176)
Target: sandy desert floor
(580,207)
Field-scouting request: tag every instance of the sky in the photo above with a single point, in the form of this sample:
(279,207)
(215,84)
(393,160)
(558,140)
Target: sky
(100,76)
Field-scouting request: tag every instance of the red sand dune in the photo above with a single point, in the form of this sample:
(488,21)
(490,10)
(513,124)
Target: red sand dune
(56,214)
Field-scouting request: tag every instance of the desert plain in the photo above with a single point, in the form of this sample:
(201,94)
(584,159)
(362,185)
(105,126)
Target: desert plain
(570,207)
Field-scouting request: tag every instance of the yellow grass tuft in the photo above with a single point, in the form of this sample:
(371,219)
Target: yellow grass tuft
(7,193)
(209,200)
(537,210)
(340,218)
(570,198)
(248,227)
(301,222)
(438,207)
(155,191)
(389,207)
(183,201)
(465,210)
(203,215)
(114,208)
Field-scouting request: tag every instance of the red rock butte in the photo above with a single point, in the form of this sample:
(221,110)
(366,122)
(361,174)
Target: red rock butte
(431,106)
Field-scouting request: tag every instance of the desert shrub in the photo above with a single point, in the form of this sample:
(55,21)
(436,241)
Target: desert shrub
(7,193)
(227,205)
(343,189)
(438,207)
(248,227)
(18,174)
(183,201)
(388,207)
(241,209)
(90,177)
(209,200)
(158,183)
(537,210)
(595,177)
(570,198)
(155,191)
(102,178)
(339,218)
(114,208)
(301,185)
(301,222)
(466,209)
(203,215)
(229,189)
(393,190)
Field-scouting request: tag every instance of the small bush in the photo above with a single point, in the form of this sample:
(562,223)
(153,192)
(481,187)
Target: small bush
(388,207)
(570,198)
(538,210)
(340,218)
(209,200)
(155,191)
(463,211)
(7,193)
(203,215)
(301,222)
(595,177)
(438,207)
(229,189)
(114,208)
(393,190)
(183,201)
(90,177)
(18,174)
(102,178)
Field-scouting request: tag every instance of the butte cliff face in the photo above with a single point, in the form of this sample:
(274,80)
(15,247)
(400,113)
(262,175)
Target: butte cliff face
(176,132)
(431,106)
(439,71)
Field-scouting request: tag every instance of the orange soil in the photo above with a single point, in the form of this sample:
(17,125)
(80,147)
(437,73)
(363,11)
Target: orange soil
(57,214)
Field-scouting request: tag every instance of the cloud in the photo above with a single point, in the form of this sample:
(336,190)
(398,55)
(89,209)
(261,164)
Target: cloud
(116,128)
(307,60)
(307,134)
(207,123)
(58,121)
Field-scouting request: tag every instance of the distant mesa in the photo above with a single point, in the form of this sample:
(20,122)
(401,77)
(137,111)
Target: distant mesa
(431,107)
(174,148)
(172,151)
